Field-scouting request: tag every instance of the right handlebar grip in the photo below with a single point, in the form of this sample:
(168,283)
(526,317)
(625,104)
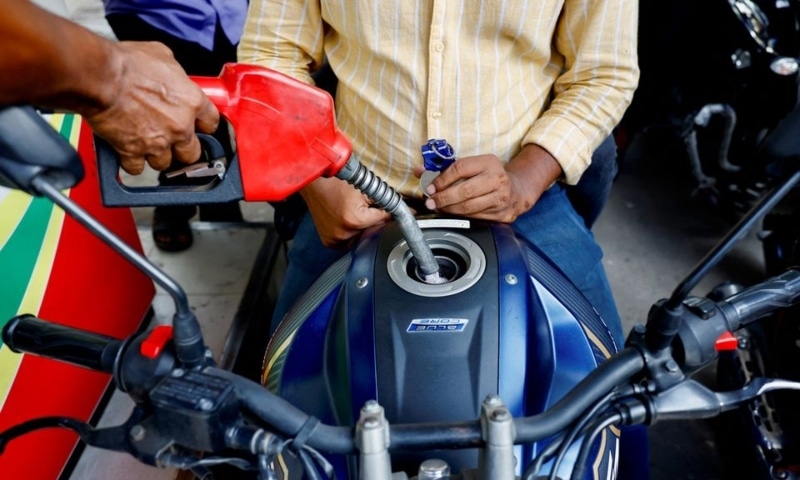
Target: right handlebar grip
(762,299)
(28,334)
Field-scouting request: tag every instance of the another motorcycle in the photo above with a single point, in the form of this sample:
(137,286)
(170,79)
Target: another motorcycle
(717,75)
(440,348)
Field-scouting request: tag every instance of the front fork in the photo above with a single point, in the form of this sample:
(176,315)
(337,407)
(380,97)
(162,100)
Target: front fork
(495,458)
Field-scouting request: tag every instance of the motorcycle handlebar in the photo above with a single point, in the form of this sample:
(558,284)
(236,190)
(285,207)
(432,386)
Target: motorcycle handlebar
(288,419)
(28,334)
(99,352)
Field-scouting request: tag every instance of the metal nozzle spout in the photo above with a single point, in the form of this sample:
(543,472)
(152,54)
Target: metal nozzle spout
(388,199)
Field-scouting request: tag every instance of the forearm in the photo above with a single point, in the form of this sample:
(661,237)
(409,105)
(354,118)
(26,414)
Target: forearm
(52,62)
(534,169)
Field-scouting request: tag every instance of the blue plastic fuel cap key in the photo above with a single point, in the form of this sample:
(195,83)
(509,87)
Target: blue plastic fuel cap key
(437,155)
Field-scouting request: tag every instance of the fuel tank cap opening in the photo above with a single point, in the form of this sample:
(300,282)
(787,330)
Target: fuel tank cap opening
(451,266)
(461,265)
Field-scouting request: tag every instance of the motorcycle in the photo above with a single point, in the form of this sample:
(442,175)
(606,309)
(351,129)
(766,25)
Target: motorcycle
(716,91)
(439,348)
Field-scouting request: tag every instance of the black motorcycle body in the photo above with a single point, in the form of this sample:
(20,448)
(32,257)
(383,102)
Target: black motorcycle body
(718,75)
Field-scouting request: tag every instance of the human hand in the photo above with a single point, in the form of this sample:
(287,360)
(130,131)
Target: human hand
(340,212)
(156,109)
(483,187)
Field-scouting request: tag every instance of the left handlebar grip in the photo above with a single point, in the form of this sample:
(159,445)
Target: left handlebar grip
(28,334)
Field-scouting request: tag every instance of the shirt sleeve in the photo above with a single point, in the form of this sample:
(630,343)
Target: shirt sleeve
(286,36)
(597,39)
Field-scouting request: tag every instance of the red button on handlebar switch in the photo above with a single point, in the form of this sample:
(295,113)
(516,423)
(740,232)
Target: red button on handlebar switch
(726,343)
(156,340)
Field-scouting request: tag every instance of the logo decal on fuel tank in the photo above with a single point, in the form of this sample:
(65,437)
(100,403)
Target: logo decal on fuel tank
(437,325)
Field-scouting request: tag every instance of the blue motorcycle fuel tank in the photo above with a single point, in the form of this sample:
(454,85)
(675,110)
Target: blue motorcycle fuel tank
(505,322)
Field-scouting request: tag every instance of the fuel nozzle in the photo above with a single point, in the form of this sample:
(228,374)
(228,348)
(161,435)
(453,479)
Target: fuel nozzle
(388,199)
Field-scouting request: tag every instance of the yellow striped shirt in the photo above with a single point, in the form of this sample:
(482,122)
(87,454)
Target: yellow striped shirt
(489,76)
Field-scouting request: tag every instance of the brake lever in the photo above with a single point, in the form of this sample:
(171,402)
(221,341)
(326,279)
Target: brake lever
(692,400)
(758,386)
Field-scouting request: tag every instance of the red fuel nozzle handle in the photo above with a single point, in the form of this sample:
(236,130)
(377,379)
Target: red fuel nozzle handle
(285,137)
(285,130)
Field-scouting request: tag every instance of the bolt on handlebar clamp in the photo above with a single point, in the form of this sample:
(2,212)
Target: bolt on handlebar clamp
(372,441)
(496,458)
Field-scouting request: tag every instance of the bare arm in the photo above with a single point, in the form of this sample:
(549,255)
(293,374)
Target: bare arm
(135,95)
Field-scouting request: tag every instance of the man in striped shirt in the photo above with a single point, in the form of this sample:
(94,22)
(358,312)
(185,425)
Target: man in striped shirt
(524,91)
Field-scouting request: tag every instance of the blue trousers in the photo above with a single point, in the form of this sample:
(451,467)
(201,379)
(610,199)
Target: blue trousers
(590,195)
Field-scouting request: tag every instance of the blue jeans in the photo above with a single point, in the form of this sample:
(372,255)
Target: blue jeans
(552,225)
(591,193)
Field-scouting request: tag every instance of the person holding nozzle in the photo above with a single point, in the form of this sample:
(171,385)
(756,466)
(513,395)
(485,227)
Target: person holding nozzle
(202,35)
(132,94)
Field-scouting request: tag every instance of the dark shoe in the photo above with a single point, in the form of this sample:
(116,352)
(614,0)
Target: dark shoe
(172,233)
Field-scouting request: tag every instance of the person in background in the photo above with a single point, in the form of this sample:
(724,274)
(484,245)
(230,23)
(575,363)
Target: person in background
(203,36)
(134,95)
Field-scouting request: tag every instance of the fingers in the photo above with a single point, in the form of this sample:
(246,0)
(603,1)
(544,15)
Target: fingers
(159,160)
(486,207)
(187,151)
(476,187)
(463,191)
(463,169)
(156,110)
(133,165)
(463,205)
(207,120)
(375,216)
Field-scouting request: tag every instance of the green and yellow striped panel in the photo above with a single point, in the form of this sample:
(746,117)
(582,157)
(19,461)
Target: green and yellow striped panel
(29,231)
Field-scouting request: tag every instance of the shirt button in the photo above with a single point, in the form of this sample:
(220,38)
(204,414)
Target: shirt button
(436,115)
(439,47)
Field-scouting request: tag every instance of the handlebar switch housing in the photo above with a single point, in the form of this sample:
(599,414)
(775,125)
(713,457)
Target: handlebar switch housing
(195,408)
(704,308)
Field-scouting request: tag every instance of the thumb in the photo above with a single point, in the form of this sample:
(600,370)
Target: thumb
(378,214)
